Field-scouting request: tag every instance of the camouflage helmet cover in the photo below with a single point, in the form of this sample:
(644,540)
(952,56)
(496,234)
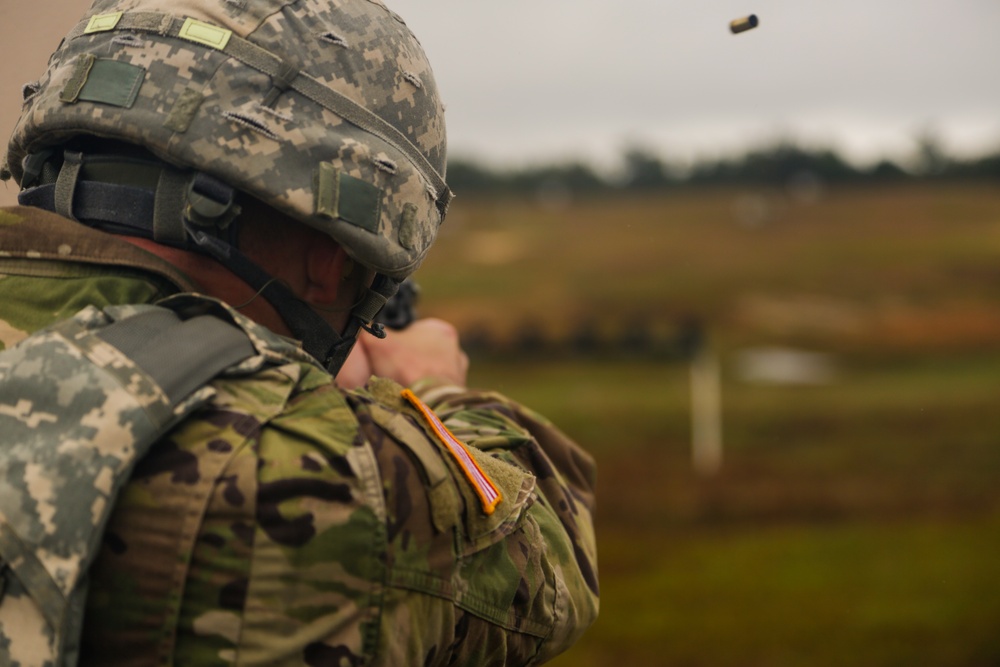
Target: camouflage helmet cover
(326,110)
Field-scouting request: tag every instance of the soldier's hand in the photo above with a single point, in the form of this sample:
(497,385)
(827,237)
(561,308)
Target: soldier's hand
(428,348)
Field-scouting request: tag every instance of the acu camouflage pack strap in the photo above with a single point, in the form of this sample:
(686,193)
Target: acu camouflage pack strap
(80,404)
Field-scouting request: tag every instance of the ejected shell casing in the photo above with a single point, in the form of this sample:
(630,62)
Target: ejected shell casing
(743,24)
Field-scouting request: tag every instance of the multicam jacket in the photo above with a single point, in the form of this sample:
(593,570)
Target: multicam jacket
(293,523)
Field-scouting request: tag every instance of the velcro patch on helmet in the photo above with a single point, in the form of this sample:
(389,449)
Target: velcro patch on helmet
(104,81)
(341,196)
(102,23)
(408,226)
(205,34)
(184,110)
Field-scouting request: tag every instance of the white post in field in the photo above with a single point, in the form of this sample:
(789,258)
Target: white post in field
(706,411)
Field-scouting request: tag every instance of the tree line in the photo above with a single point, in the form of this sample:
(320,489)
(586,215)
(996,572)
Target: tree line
(781,164)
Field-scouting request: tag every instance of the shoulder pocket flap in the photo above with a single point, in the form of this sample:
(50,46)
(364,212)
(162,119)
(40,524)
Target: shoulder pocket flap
(516,487)
(414,439)
(445,505)
(481,530)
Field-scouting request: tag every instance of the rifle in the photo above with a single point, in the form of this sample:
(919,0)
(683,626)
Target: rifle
(400,310)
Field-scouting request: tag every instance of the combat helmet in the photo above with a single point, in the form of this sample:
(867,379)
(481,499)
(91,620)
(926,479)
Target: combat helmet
(326,110)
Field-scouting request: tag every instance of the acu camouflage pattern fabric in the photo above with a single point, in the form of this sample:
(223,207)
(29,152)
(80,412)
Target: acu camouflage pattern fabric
(291,523)
(75,414)
(324,109)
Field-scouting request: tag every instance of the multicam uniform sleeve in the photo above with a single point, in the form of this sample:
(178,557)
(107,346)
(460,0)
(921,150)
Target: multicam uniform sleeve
(470,585)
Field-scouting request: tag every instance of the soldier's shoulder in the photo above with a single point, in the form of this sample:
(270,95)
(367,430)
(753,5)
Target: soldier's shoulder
(16,215)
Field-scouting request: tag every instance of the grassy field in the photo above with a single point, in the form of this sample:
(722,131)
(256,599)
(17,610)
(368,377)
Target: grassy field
(855,521)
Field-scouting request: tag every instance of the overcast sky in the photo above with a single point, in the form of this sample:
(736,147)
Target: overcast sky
(533,80)
(543,80)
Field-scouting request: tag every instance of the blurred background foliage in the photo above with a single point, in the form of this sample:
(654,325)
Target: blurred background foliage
(783,162)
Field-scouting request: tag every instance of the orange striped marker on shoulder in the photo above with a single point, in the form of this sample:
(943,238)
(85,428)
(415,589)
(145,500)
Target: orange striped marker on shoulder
(488,493)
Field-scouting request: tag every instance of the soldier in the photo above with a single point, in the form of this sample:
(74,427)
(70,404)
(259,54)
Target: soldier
(285,160)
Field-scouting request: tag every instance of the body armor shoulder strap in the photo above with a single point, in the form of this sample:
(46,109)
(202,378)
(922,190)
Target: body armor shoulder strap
(80,403)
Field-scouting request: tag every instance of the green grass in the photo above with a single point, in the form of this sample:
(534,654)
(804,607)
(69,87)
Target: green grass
(859,593)
(852,523)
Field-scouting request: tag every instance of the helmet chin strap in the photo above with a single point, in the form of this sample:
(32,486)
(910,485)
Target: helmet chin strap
(318,338)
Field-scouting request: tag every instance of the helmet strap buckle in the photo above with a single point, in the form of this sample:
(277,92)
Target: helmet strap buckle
(210,202)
